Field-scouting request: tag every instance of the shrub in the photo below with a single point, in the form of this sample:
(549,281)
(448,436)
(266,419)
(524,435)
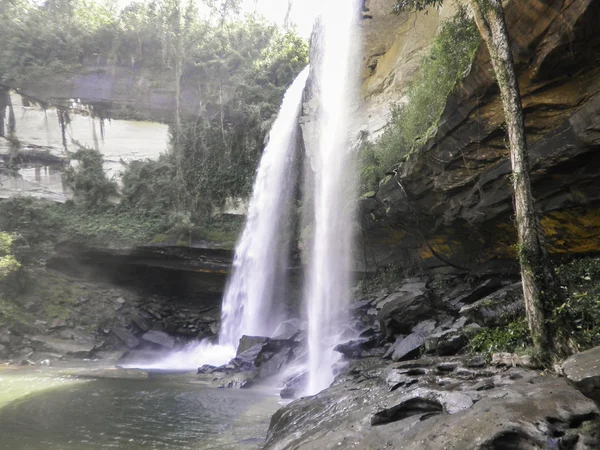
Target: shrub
(415,121)
(88,181)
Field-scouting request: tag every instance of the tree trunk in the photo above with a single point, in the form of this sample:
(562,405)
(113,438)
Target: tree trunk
(540,287)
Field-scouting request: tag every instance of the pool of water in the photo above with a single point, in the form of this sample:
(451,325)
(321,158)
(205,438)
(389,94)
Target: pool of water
(44,410)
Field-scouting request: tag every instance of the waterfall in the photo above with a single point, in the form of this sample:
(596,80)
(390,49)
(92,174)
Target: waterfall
(328,289)
(254,291)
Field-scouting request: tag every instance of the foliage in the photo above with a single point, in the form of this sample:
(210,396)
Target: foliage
(580,280)
(240,67)
(514,338)
(416,5)
(88,181)
(8,262)
(415,121)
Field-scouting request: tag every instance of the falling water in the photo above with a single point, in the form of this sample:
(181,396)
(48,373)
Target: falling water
(329,269)
(249,305)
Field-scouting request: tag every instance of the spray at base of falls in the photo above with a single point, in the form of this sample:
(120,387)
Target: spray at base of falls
(249,305)
(328,290)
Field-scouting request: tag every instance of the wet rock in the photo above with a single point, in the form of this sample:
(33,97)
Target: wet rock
(583,372)
(401,311)
(465,294)
(206,369)
(451,344)
(64,346)
(497,309)
(245,361)
(141,323)
(288,329)
(411,407)
(126,337)
(57,323)
(294,385)
(358,348)
(476,361)
(159,338)
(246,342)
(238,381)
(409,347)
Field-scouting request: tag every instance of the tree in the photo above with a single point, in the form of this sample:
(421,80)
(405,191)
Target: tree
(540,287)
(8,263)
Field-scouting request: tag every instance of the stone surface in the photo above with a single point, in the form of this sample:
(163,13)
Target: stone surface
(159,338)
(457,188)
(126,337)
(401,311)
(583,371)
(497,309)
(492,409)
(64,346)
(247,342)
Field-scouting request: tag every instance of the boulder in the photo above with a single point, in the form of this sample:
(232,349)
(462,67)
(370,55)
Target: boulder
(246,342)
(583,372)
(159,338)
(401,311)
(141,323)
(206,369)
(358,348)
(294,385)
(497,309)
(126,337)
(64,346)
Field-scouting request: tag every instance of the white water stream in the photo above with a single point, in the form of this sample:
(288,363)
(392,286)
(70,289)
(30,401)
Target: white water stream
(254,292)
(328,290)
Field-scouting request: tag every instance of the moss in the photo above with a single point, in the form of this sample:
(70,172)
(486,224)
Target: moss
(413,123)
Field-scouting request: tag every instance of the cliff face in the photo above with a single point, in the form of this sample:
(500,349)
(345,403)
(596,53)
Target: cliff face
(453,198)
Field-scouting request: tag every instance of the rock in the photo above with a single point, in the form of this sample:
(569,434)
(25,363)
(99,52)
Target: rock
(57,323)
(3,351)
(247,342)
(513,360)
(409,347)
(287,329)
(476,361)
(245,361)
(159,338)
(77,335)
(519,415)
(357,348)
(141,323)
(294,385)
(206,369)
(401,311)
(583,371)
(465,294)
(497,309)
(65,346)
(411,407)
(126,337)
(452,344)
(120,301)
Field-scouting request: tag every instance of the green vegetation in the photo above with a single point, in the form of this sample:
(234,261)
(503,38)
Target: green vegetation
(241,66)
(513,338)
(8,263)
(416,120)
(580,281)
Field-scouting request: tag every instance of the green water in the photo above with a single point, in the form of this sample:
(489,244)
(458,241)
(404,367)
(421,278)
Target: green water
(43,410)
